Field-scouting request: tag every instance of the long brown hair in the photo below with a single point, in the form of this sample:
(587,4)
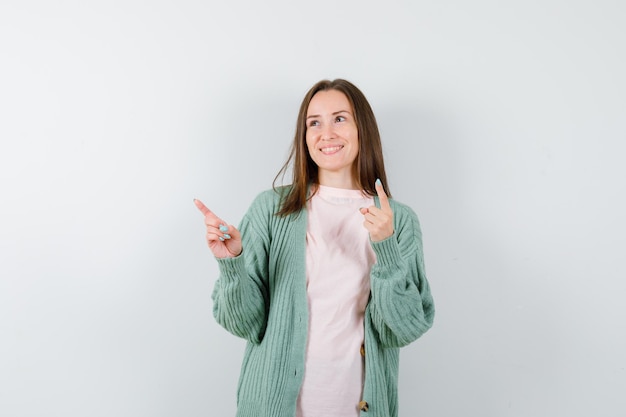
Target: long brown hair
(368,166)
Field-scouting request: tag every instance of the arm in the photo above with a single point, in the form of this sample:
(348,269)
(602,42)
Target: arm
(401,306)
(240,295)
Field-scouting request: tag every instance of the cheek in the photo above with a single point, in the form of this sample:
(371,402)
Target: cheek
(311,136)
(310,147)
(350,132)
(353,134)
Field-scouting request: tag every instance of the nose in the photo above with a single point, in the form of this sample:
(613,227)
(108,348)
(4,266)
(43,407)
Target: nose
(328,132)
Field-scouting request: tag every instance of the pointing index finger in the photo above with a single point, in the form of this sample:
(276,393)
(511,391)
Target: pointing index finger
(382,196)
(204,209)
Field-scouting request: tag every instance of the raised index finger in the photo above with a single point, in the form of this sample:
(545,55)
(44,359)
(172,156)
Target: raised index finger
(204,209)
(382,196)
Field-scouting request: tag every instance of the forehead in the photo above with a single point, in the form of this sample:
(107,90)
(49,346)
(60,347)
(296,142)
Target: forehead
(329,101)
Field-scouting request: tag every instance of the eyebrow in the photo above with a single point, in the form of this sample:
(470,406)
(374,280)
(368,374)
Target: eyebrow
(334,114)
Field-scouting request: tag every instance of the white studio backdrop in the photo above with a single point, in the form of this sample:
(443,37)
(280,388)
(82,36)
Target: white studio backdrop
(504,127)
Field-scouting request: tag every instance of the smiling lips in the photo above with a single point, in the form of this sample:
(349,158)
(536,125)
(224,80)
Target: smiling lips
(331,149)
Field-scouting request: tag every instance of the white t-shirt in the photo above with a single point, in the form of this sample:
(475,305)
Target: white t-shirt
(338,262)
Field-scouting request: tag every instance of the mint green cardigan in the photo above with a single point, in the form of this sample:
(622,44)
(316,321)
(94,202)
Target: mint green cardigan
(261,296)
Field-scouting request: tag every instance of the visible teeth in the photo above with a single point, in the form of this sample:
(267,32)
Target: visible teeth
(333,149)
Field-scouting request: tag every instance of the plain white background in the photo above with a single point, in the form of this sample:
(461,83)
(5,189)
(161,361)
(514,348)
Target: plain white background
(504,127)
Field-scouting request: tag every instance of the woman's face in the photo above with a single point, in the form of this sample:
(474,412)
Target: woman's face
(332,136)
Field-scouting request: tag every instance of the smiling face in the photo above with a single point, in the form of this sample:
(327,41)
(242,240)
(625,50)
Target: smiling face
(332,138)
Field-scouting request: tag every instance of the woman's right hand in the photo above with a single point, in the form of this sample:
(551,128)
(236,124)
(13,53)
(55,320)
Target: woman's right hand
(223,239)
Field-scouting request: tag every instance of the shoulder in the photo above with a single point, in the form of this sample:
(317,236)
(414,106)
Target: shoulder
(402,210)
(267,202)
(270,197)
(261,215)
(405,218)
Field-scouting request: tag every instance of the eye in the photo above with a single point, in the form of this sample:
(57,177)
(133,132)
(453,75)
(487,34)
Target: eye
(313,123)
(340,119)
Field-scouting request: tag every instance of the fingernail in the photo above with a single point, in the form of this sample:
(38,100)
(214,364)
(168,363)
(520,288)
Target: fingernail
(223,228)
(378,182)
(221,238)
(226,236)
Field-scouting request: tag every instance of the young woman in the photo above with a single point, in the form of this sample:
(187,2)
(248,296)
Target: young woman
(325,277)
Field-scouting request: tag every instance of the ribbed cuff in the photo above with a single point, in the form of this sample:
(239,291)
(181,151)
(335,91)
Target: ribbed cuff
(231,268)
(387,251)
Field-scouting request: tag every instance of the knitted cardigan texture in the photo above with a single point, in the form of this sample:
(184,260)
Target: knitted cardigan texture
(260,296)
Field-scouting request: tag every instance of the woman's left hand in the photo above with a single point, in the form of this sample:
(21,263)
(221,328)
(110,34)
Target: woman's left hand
(379,221)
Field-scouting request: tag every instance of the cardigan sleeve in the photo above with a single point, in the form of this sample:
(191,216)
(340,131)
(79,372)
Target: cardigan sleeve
(241,294)
(401,306)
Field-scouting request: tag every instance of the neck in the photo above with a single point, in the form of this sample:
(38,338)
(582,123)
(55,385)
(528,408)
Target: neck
(337,180)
